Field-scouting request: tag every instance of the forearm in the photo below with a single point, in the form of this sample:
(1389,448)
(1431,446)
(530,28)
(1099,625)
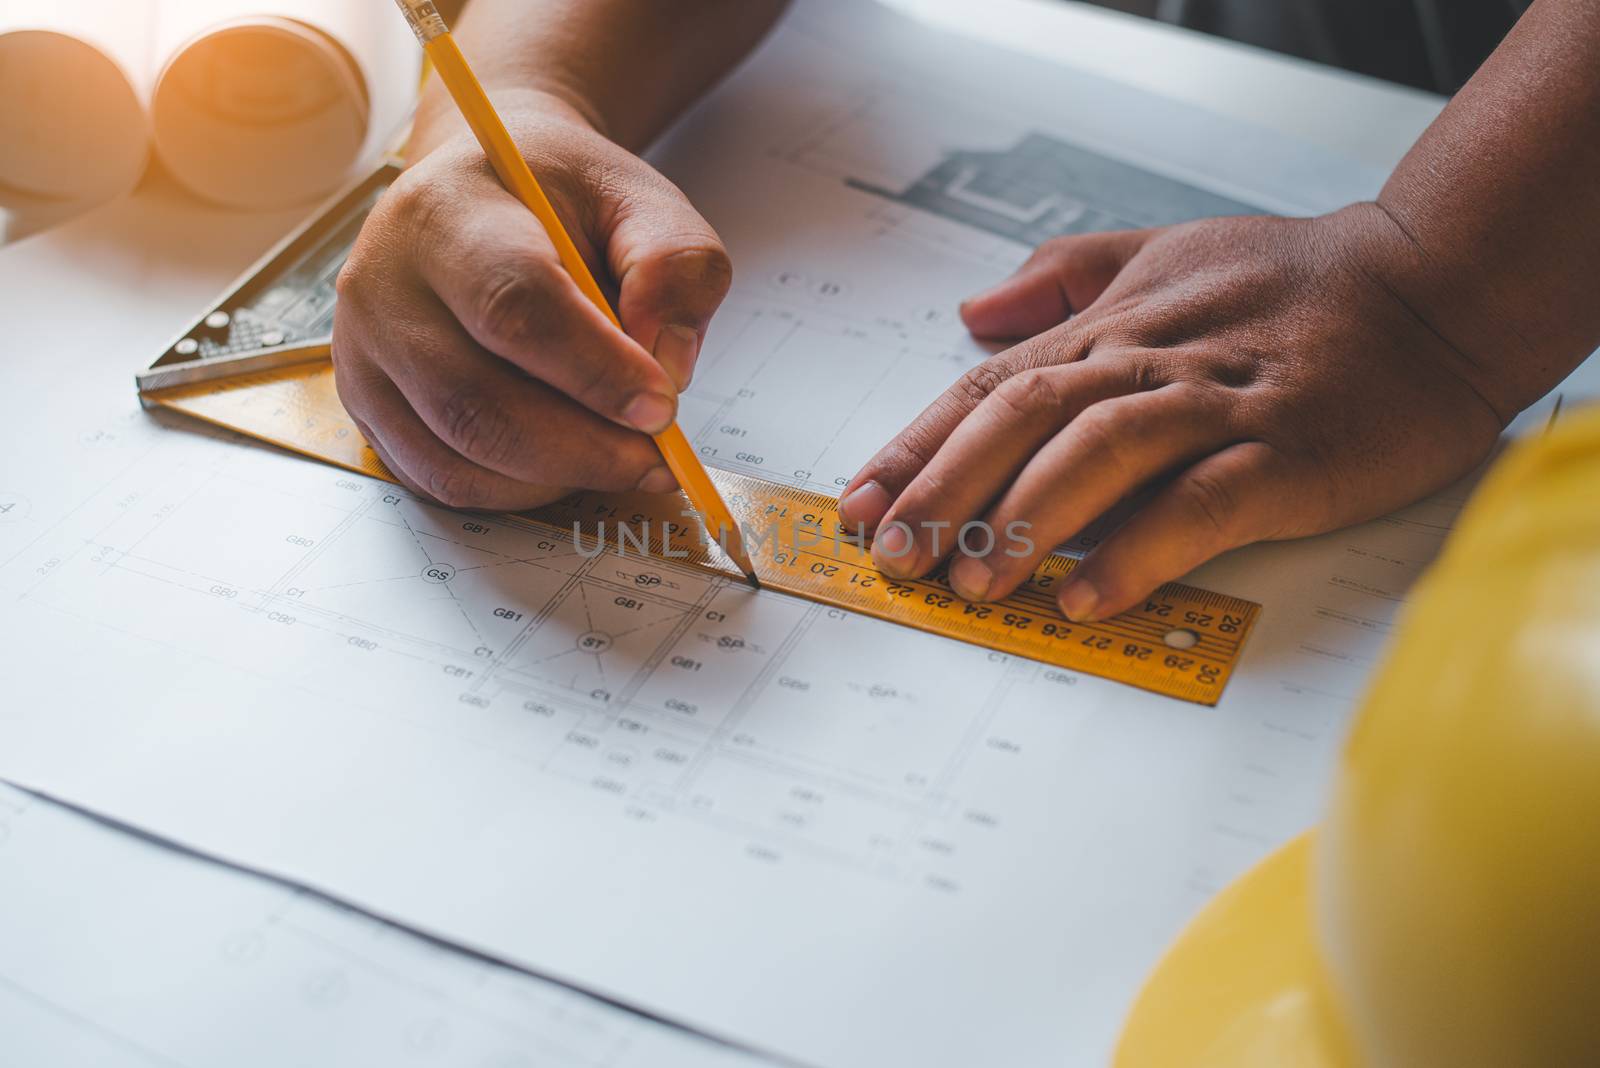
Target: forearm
(627,66)
(1499,203)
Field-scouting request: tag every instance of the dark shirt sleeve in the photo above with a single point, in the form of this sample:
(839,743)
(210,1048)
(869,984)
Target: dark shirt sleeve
(1430,44)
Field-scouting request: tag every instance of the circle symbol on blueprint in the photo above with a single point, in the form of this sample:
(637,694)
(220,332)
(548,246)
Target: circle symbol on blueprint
(594,641)
(244,947)
(438,573)
(14,507)
(326,987)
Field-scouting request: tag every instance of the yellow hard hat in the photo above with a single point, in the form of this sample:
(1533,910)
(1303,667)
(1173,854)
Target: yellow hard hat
(1447,912)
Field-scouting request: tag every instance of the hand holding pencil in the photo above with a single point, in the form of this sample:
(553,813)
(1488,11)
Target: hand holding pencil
(473,343)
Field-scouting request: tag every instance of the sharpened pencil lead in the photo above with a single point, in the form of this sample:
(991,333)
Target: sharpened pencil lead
(733,544)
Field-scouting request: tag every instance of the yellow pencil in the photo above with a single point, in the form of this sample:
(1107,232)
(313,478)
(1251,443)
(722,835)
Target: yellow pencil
(513,170)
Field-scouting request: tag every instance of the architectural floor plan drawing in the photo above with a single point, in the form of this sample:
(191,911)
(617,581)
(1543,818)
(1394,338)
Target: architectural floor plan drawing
(822,837)
(784,727)
(1043,187)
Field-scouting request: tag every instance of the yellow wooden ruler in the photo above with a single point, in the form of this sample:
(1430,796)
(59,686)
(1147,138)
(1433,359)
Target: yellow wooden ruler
(257,362)
(1180,641)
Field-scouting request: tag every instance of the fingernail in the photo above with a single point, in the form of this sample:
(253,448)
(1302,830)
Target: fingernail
(892,549)
(865,506)
(676,348)
(650,412)
(659,480)
(1079,600)
(971,579)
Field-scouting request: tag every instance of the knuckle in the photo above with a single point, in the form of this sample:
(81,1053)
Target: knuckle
(1073,341)
(1198,399)
(412,206)
(510,310)
(1209,500)
(401,227)
(453,485)
(1233,370)
(479,427)
(1097,433)
(409,187)
(359,271)
(1122,328)
(419,191)
(1028,394)
(976,385)
(906,455)
(1146,373)
(348,279)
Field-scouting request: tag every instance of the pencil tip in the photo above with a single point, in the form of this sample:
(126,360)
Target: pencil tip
(735,549)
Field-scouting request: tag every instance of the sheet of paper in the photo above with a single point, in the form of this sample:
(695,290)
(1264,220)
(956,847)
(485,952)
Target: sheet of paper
(183,963)
(832,838)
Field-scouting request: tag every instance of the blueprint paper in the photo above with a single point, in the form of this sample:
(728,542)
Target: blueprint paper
(832,838)
(182,963)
